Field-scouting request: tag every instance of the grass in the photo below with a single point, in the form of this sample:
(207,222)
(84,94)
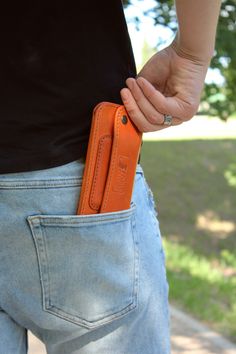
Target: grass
(194,186)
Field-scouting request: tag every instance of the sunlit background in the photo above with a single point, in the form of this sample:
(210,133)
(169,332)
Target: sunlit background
(192,172)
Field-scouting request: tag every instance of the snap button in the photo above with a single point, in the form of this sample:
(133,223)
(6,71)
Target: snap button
(124,120)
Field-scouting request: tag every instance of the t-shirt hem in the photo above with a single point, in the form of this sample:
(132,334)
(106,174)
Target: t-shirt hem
(33,163)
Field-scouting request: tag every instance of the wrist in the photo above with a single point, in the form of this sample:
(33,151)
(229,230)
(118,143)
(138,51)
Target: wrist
(190,54)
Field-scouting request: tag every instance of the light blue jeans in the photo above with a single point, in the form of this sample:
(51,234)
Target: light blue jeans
(82,284)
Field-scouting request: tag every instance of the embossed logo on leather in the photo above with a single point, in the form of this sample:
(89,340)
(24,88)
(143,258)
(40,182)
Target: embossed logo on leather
(121,177)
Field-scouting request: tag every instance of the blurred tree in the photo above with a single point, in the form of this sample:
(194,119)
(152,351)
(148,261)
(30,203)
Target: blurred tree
(147,52)
(218,100)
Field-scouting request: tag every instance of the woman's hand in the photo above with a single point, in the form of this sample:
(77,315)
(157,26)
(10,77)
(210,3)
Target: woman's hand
(167,84)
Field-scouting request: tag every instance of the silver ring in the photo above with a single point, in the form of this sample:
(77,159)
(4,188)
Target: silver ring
(167,119)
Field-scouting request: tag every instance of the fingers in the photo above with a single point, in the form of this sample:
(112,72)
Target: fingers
(176,105)
(141,109)
(136,114)
(145,106)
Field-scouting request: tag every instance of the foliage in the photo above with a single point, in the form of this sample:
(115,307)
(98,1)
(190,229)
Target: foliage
(196,204)
(220,100)
(202,287)
(147,52)
(230,174)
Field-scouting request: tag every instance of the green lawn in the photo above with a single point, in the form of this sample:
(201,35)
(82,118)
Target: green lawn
(194,185)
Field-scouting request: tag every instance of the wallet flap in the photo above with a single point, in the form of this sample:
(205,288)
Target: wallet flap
(124,157)
(100,172)
(97,158)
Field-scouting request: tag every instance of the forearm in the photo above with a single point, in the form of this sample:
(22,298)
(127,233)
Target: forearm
(197,21)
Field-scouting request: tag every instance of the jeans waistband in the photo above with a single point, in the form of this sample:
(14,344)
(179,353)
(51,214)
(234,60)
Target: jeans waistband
(66,175)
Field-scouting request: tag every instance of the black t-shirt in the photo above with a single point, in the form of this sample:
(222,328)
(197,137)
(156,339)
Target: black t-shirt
(58,60)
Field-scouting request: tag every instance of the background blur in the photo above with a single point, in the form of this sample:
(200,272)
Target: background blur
(191,170)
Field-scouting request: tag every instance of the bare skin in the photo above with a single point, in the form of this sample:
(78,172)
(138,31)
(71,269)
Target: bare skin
(172,80)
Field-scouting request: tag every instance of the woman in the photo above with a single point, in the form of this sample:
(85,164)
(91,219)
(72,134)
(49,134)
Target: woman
(84,284)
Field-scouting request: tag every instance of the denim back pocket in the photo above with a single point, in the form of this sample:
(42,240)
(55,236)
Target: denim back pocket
(88,265)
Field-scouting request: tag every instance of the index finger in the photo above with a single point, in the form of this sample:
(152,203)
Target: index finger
(172,105)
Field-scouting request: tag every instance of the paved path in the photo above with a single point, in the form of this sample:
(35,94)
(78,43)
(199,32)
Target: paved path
(188,337)
(191,337)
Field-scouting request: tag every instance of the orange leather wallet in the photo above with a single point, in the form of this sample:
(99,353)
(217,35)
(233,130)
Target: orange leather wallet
(111,160)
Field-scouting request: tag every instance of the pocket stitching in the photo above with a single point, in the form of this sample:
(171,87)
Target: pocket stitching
(75,220)
(43,262)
